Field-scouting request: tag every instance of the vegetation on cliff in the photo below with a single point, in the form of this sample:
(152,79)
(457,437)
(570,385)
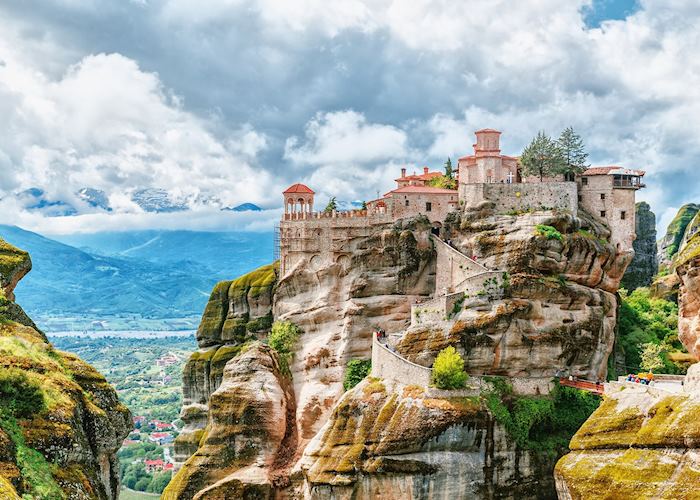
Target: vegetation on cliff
(355,372)
(644,319)
(542,424)
(60,421)
(448,370)
(671,243)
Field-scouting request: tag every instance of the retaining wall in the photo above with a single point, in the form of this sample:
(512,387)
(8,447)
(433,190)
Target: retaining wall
(522,196)
(389,365)
(452,267)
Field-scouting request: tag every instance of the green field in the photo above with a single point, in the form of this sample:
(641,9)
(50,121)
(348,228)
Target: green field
(127,494)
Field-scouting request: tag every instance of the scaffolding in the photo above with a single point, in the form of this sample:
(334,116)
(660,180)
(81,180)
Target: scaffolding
(276,243)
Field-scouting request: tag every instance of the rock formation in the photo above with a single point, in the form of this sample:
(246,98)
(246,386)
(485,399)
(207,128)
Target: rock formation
(672,241)
(688,270)
(557,311)
(645,442)
(644,266)
(61,423)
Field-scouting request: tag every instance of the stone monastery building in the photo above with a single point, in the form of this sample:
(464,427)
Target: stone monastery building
(485,176)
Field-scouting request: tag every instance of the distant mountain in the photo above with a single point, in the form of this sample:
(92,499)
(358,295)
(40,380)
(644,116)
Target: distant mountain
(152,274)
(156,200)
(244,207)
(35,199)
(95,198)
(224,255)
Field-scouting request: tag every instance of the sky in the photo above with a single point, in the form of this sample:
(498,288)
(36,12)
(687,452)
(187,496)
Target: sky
(217,103)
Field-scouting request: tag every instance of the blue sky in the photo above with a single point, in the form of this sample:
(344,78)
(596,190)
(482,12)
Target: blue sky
(221,103)
(609,10)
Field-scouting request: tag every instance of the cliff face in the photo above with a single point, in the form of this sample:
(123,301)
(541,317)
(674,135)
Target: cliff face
(688,271)
(644,442)
(644,266)
(673,239)
(61,423)
(238,311)
(557,311)
(390,440)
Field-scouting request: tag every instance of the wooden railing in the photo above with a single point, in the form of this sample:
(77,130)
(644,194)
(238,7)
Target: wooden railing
(584,385)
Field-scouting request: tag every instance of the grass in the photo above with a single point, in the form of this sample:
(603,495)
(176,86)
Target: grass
(127,494)
(549,232)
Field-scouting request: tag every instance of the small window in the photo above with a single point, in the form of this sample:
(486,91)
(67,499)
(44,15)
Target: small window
(406,202)
(602,196)
(580,198)
(602,213)
(428,206)
(584,181)
(623,215)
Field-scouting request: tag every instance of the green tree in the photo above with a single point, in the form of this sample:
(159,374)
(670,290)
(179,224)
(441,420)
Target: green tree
(332,205)
(448,169)
(159,482)
(573,153)
(142,484)
(542,157)
(364,205)
(651,356)
(448,370)
(357,369)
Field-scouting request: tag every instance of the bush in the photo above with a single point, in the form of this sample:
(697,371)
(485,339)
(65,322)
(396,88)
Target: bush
(548,232)
(357,369)
(448,370)
(19,396)
(283,336)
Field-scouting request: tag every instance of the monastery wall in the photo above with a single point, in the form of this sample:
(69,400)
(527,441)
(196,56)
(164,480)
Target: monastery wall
(521,196)
(614,207)
(389,365)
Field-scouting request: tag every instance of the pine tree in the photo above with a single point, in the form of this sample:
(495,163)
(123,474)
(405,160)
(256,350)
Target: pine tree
(332,205)
(448,168)
(542,157)
(573,153)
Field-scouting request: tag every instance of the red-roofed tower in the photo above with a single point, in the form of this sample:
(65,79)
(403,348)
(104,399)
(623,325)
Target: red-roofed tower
(298,198)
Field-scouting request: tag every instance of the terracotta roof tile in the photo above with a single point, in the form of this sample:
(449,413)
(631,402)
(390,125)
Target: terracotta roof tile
(298,188)
(422,189)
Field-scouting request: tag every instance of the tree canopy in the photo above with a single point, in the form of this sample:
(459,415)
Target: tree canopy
(332,205)
(573,153)
(542,157)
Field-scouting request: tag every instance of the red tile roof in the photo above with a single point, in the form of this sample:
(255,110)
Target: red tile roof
(422,189)
(487,130)
(612,169)
(154,462)
(298,188)
(419,177)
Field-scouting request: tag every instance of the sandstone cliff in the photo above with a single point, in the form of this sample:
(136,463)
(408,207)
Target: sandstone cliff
(555,309)
(644,266)
(673,239)
(60,421)
(644,442)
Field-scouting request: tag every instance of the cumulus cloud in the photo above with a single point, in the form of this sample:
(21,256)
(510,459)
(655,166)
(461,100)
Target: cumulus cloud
(241,98)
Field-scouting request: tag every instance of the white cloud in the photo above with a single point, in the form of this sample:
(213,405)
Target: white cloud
(345,137)
(106,124)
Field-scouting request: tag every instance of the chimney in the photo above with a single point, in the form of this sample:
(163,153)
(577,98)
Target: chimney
(403,172)
(425,170)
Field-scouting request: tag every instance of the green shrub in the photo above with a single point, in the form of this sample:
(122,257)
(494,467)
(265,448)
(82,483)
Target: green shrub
(19,396)
(283,337)
(543,424)
(357,369)
(448,370)
(548,232)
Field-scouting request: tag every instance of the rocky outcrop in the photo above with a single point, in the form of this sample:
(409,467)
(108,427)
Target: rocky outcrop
(238,312)
(557,312)
(639,443)
(688,271)
(250,437)
(555,309)
(672,241)
(61,423)
(644,266)
(387,440)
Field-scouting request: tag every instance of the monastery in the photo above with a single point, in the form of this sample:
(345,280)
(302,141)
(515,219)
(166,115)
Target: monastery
(485,178)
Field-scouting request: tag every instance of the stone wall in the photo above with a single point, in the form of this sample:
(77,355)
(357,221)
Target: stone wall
(521,197)
(389,365)
(319,239)
(453,267)
(404,205)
